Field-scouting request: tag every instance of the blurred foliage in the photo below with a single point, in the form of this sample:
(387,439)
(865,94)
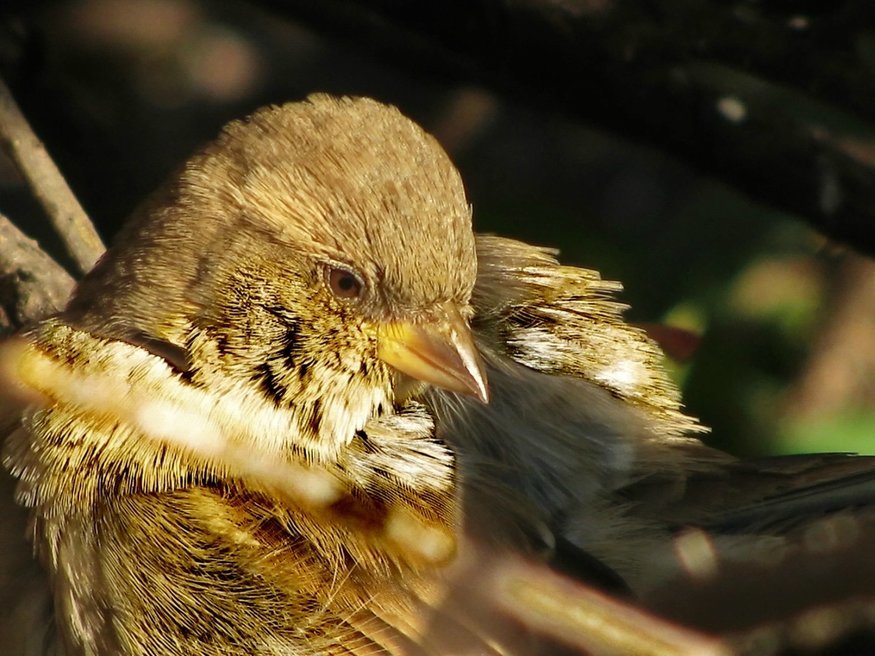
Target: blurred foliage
(122,90)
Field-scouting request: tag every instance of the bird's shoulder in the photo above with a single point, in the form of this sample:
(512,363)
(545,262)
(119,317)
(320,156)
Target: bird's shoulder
(566,321)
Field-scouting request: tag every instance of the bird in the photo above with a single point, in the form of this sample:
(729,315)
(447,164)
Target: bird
(300,406)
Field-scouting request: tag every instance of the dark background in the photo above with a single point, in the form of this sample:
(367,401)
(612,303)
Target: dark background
(602,149)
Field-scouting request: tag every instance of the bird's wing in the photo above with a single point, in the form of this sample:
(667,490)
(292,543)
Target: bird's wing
(776,495)
(601,440)
(564,320)
(780,543)
(581,403)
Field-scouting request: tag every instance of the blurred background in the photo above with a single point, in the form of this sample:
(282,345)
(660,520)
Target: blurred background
(122,91)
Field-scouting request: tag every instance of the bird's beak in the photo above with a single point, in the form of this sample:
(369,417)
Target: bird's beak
(439,351)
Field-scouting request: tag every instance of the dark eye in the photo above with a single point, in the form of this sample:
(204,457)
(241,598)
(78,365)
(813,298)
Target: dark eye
(344,284)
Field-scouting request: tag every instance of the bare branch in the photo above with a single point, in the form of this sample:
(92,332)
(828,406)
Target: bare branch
(48,186)
(32,284)
(591,620)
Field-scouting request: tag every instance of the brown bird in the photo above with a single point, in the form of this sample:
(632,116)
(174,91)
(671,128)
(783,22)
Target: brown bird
(299,406)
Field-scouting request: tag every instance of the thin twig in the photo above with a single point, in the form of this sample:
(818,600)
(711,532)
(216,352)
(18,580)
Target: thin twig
(48,186)
(591,620)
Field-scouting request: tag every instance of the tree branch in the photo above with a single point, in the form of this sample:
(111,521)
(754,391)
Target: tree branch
(32,284)
(47,185)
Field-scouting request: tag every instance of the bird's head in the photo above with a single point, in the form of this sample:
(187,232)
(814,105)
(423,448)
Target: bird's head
(322,250)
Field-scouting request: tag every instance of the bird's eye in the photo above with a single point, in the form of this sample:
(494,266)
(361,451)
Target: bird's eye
(344,284)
